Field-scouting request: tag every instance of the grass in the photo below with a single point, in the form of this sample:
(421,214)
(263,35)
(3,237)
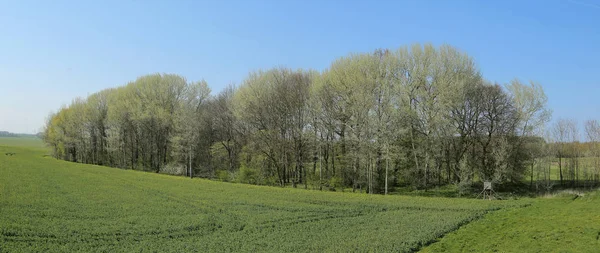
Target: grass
(29,142)
(558,224)
(57,206)
(584,163)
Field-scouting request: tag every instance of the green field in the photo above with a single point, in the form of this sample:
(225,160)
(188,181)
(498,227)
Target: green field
(32,143)
(586,163)
(57,206)
(562,224)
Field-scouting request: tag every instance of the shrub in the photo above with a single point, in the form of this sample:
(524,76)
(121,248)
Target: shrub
(223,175)
(173,169)
(465,188)
(271,181)
(247,175)
(335,182)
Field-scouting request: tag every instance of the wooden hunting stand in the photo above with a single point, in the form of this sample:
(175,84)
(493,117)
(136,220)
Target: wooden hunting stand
(488,192)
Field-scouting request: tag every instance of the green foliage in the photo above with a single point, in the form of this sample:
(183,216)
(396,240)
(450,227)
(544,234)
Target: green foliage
(247,175)
(223,175)
(149,123)
(219,157)
(271,181)
(336,182)
(53,205)
(418,115)
(465,188)
(173,169)
(313,182)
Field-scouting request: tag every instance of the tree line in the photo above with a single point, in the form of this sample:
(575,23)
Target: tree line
(420,116)
(9,134)
(575,163)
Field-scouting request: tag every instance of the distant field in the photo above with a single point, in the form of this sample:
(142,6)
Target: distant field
(584,163)
(52,205)
(31,142)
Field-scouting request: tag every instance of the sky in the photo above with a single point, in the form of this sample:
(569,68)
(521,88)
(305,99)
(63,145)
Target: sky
(54,51)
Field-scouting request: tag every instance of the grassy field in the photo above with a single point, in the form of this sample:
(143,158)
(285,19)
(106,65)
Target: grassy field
(32,143)
(57,206)
(46,204)
(585,163)
(560,224)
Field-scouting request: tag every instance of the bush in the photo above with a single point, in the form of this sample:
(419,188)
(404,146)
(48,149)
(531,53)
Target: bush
(335,182)
(271,181)
(173,169)
(465,188)
(223,175)
(247,175)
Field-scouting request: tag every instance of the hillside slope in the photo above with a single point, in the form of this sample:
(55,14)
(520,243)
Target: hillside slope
(560,224)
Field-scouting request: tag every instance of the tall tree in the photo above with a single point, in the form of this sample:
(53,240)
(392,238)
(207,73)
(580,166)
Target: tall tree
(419,116)
(592,130)
(560,134)
(532,114)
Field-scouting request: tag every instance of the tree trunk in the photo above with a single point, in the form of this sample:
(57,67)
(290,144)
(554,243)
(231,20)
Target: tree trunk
(531,181)
(414,150)
(560,169)
(387,164)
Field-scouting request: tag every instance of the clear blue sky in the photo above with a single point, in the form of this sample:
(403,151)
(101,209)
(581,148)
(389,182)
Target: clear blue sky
(54,51)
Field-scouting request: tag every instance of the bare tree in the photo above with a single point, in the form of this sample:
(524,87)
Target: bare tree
(560,134)
(592,130)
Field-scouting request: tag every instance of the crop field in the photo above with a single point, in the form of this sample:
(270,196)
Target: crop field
(52,205)
(56,206)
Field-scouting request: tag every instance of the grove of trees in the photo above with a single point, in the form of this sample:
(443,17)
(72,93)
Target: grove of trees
(420,116)
(577,163)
